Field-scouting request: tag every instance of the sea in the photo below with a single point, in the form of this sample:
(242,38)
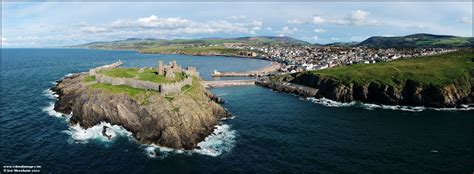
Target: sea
(269,132)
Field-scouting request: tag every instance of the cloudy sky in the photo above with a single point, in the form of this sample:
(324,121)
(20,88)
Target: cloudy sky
(49,24)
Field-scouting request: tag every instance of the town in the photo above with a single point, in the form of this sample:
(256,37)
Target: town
(301,58)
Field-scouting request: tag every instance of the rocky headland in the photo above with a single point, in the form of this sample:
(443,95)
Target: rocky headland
(177,121)
(436,81)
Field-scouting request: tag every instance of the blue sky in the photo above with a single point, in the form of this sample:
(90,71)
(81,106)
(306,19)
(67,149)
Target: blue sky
(49,24)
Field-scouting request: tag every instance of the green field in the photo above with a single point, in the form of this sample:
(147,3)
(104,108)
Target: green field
(437,70)
(193,50)
(89,79)
(119,89)
(146,75)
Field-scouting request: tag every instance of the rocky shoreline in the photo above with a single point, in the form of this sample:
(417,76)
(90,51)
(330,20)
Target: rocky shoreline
(408,93)
(180,122)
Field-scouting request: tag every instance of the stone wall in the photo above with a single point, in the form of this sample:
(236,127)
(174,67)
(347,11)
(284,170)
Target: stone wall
(175,87)
(94,71)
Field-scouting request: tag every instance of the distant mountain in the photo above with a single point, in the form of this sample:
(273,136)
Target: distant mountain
(419,40)
(137,43)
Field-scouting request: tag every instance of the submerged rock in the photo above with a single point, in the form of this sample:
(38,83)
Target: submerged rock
(179,121)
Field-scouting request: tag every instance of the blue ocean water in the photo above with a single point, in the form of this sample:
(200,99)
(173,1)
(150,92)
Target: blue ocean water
(270,132)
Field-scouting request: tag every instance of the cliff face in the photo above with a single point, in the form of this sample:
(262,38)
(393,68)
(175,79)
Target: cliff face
(179,122)
(409,92)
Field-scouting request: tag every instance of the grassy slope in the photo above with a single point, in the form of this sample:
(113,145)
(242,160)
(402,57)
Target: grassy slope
(192,50)
(146,75)
(437,70)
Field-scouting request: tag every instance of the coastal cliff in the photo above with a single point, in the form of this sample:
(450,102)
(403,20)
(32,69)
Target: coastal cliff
(177,121)
(410,93)
(435,81)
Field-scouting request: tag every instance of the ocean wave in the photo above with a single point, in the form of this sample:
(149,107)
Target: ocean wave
(221,141)
(81,135)
(50,94)
(224,94)
(50,110)
(368,106)
(330,103)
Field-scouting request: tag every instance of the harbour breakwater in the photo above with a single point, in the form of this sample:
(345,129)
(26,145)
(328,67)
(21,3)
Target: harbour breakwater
(273,67)
(409,93)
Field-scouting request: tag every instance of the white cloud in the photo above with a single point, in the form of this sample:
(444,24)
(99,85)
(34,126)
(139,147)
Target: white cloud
(239,17)
(4,41)
(358,17)
(358,38)
(319,30)
(287,30)
(296,21)
(465,20)
(318,20)
(269,28)
(335,38)
(176,26)
(93,29)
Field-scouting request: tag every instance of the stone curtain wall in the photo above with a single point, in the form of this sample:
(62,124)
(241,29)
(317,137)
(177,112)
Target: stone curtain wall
(163,88)
(175,87)
(94,71)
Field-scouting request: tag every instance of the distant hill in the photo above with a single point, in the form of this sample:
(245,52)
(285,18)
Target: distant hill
(348,44)
(137,43)
(419,41)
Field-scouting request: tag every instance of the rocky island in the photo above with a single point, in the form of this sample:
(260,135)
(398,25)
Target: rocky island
(167,106)
(444,80)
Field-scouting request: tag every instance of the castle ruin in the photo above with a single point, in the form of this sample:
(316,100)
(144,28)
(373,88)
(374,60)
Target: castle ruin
(168,70)
(162,70)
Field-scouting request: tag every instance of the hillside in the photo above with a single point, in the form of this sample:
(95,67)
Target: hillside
(419,40)
(438,81)
(137,44)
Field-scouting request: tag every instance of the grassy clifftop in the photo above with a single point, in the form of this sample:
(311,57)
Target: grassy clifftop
(437,70)
(146,75)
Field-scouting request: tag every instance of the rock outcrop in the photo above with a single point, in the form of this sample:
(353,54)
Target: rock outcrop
(180,121)
(409,92)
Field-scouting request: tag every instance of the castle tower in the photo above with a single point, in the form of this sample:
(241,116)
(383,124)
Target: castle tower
(169,73)
(161,70)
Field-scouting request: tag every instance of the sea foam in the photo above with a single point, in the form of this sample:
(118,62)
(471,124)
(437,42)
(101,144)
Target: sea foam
(81,135)
(368,106)
(221,141)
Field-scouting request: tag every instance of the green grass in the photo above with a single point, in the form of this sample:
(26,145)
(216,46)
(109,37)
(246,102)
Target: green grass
(119,89)
(437,70)
(186,88)
(146,75)
(89,79)
(194,50)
